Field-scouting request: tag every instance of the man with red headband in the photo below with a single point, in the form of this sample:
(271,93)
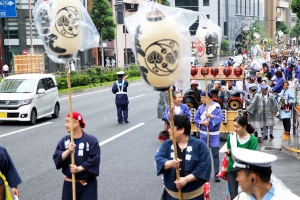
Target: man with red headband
(87,160)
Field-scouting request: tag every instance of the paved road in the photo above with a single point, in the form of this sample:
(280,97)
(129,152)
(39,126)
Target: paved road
(127,160)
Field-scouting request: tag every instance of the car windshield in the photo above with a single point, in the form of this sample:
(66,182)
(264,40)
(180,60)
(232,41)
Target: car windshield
(17,86)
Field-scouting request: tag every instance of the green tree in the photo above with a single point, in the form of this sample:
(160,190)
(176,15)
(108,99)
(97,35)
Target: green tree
(295,32)
(283,27)
(165,2)
(256,28)
(295,6)
(102,16)
(225,45)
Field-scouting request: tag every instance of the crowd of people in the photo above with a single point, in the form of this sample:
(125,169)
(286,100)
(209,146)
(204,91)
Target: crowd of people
(262,95)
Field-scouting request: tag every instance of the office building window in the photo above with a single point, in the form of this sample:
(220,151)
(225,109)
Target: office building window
(205,2)
(225,29)
(189,5)
(11,28)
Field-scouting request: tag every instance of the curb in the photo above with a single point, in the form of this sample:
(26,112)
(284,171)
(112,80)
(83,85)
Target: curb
(95,89)
(290,151)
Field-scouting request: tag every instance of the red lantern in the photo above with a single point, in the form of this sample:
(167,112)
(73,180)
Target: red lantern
(227,71)
(204,71)
(238,71)
(214,71)
(194,71)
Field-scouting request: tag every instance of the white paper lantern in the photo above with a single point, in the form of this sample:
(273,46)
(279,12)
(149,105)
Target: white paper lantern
(208,42)
(158,50)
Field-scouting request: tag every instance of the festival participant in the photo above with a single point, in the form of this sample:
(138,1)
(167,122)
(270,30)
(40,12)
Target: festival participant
(221,93)
(254,176)
(9,172)
(266,71)
(286,99)
(211,120)
(278,83)
(255,110)
(178,108)
(242,138)
(194,162)
(119,88)
(297,70)
(87,160)
(270,108)
(197,92)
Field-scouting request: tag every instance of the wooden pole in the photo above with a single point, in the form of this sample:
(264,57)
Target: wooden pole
(159,1)
(71,127)
(206,99)
(173,138)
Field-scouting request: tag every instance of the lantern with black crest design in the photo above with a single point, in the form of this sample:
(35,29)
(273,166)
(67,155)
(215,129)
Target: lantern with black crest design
(159,36)
(64,27)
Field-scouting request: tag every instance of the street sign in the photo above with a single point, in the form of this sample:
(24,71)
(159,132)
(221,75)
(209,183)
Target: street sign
(8,9)
(24,52)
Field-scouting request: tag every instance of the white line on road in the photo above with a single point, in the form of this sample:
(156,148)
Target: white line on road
(92,92)
(25,129)
(120,134)
(137,96)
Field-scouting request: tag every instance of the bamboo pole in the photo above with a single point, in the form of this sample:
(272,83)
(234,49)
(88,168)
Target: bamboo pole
(206,99)
(173,138)
(71,127)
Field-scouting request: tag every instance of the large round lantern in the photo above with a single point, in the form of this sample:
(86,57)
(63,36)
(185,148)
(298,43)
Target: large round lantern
(194,71)
(214,71)
(158,50)
(227,71)
(238,71)
(61,25)
(204,71)
(208,43)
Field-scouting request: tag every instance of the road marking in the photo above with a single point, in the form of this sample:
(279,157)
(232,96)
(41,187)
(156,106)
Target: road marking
(137,96)
(25,129)
(79,95)
(120,134)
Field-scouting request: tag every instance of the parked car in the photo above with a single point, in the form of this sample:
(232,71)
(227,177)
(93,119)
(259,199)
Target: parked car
(28,97)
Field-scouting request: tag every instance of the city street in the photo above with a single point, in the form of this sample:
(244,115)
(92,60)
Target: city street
(127,169)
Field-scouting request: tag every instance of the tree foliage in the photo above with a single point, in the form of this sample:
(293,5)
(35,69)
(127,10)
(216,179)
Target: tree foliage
(295,6)
(283,27)
(102,16)
(295,32)
(165,2)
(225,45)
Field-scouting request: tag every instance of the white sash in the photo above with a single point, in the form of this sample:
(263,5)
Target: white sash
(210,109)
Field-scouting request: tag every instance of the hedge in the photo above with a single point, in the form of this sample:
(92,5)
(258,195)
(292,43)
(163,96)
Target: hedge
(92,76)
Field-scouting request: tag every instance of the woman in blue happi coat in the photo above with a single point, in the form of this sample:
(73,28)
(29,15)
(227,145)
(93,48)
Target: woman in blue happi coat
(286,99)
(194,162)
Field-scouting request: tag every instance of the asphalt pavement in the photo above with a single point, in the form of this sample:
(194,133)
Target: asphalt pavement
(127,169)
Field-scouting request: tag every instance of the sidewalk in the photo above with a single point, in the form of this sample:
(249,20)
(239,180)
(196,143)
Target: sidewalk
(289,147)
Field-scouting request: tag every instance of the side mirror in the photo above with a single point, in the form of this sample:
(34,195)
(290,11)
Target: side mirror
(41,91)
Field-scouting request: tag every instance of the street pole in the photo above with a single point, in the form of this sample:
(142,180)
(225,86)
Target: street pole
(125,61)
(30,25)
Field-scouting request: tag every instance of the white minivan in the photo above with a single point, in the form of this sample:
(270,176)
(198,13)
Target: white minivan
(28,97)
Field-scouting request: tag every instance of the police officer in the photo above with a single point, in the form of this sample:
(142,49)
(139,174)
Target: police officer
(120,90)
(254,176)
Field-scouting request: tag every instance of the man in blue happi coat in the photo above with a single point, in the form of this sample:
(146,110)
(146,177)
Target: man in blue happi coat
(9,170)
(120,90)
(87,160)
(211,119)
(193,162)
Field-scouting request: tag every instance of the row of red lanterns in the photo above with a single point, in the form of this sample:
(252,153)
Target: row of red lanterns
(214,71)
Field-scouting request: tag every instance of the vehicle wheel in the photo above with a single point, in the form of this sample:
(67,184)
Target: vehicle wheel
(56,111)
(33,116)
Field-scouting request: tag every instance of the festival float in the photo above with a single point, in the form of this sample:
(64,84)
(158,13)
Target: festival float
(208,43)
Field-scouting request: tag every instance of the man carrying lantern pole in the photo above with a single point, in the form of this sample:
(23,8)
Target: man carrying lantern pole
(62,42)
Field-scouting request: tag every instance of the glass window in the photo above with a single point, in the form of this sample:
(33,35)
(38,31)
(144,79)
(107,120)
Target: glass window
(17,86)
(11,28)
(205,2)
(41,84)
(179,3)
(50,83)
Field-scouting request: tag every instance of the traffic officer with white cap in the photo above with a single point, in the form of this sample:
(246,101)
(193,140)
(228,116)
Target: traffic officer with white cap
(254,176)
(120,89)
